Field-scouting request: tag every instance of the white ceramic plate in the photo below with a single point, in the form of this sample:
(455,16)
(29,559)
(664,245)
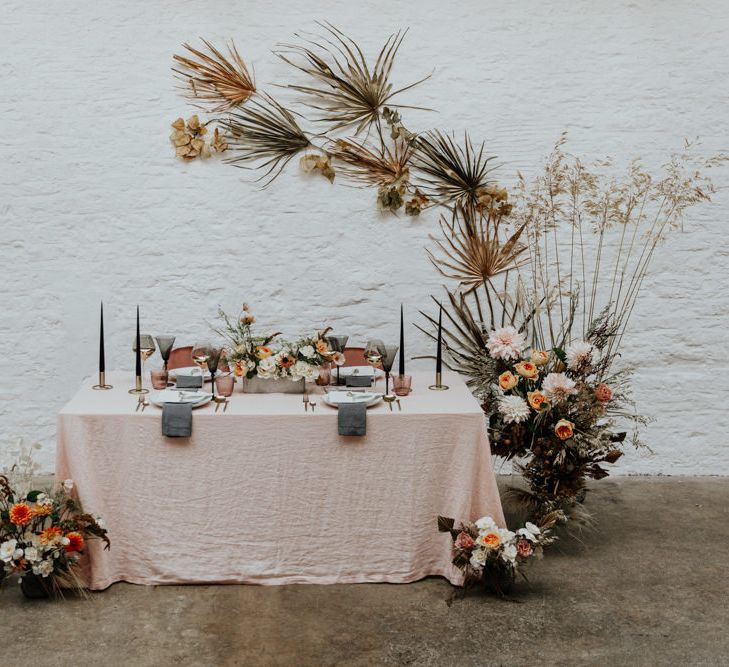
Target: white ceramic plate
(337,397)
(188,371)
(366,371)
(197,398)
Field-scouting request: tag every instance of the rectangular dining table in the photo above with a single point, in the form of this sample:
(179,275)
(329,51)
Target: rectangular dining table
(266,493)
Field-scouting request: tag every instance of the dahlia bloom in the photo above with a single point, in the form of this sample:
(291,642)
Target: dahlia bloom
(506,343)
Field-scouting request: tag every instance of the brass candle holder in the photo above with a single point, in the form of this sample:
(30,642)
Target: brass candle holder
(138,389)
(438,386)
(102,382)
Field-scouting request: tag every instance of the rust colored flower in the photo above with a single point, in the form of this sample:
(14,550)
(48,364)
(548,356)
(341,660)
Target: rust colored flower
(524,549)
(564,429)
(75,542)
(463,541)
(20,514)
(603,393)
(286,360)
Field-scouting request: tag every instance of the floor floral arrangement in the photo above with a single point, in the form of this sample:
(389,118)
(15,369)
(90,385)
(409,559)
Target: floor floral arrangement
(43,534)
(544,276)
(490,556)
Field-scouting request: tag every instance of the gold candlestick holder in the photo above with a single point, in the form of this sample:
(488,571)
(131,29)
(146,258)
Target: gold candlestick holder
(102,382)
(138,389)
(438,386)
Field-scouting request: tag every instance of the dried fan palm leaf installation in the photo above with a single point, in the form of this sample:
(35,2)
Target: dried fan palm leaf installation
(545,278)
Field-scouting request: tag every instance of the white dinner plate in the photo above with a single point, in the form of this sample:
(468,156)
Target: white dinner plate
(197,398)
(188,371)
(366,371)
(336,397)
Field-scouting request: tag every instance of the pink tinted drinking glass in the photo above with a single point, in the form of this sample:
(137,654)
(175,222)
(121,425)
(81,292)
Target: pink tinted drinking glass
(224,385)
(401,384)
(159,378)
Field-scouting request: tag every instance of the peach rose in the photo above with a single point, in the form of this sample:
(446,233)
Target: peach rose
(463,541)
(263,352)
(490,540)
(527,370)
(603,393)
(322,347)
(537,399)
(539,357)
(507,380)
(564,429)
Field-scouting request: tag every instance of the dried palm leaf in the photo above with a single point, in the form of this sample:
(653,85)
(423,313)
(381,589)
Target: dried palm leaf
(214,79)
(471,251)
(263,131)
(373,165)
(452,173)
(347,90)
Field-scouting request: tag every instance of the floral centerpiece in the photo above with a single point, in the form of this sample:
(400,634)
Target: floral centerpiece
(492,556)
(43,534)
(269,357)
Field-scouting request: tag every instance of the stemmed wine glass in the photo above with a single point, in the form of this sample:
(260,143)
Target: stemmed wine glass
(373,353)
(213,361)
(164,344)
(146,348)
(200,355)
(388,359)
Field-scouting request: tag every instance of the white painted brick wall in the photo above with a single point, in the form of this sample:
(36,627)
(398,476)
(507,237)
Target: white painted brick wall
(93,204)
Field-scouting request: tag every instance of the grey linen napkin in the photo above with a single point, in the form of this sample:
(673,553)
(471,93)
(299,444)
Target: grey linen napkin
(189,382)
(359,381)
(177,420)
(352,418)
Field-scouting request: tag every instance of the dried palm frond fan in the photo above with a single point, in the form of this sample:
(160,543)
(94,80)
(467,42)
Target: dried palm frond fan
(213,79)
(373,165)
(266,133)
(470,248)
(452,173)
(347,90)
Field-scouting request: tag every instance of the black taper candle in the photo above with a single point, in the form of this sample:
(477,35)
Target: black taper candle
(138,367)
(102,361)
(402,343)
(439,351)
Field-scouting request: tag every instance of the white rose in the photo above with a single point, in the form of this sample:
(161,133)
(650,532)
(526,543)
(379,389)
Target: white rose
(32,555)
(523,532)
(307,351)
(45,568)
(532,528)
(478,558)
(267,368)
(486,524)
(7,550)
(509,553)
(505,535)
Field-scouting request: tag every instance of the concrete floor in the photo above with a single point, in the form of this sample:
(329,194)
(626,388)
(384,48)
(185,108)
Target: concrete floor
(647,587)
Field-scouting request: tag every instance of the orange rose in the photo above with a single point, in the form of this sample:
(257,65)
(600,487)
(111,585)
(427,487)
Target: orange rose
(263,352)
(603,393)
(490,540)
(20,514)
(527,370)
(539,357)
(564,429)
(75,542)
(322,347)
(537,399)
(42,510)
(507,380)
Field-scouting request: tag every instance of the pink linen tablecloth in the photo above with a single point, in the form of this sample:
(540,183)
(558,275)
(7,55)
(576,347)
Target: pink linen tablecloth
(269,494)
